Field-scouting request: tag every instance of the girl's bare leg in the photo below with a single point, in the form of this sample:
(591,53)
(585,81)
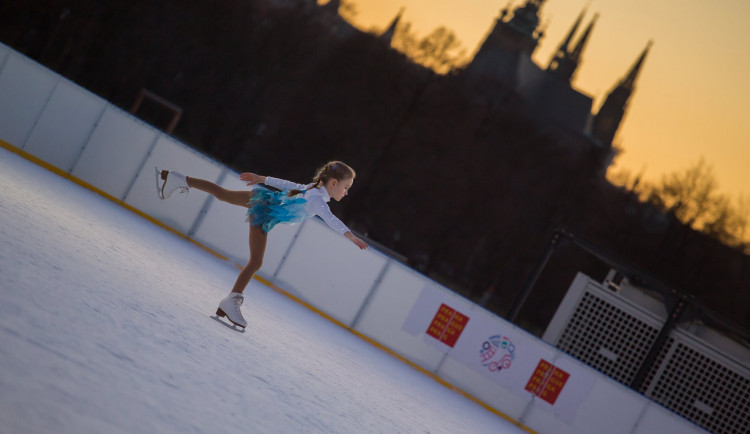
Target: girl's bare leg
(258,240)
(239,198)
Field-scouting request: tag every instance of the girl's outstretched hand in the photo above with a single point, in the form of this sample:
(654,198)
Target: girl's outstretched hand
(252,178)
(361,244)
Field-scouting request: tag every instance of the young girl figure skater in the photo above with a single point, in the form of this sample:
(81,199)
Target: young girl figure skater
(270,202)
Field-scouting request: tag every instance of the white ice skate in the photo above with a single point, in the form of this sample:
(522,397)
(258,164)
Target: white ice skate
(230,307)
(167,182)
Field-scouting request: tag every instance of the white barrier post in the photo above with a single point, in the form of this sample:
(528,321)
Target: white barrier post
(39,116)
(369,295)
(141,167)
(88,140)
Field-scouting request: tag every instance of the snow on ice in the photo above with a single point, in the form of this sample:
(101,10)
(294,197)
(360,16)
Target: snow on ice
(105,327)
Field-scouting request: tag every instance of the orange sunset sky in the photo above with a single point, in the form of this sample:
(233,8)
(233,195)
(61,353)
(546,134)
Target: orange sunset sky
(692,97)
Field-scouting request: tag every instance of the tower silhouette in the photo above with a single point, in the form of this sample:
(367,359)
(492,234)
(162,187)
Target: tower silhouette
(514,36)
(565,63)
(561,54)
(387,35)
(607,121)
(505,57)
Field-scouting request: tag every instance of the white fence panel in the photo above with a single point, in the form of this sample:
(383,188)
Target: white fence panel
(179,211)
(658,419)
(25,87)
(61,133)
(500,398)
(329,271)
(388,309)
(115,152)
(494,360)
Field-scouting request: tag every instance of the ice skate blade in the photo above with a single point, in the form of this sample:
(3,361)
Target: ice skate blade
(220,313)
(231,325)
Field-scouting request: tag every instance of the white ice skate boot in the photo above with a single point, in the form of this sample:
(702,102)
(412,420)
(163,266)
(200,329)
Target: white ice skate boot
(230,307)
(167,182)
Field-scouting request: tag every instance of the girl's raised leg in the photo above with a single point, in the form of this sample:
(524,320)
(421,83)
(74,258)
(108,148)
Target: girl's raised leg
(239,198)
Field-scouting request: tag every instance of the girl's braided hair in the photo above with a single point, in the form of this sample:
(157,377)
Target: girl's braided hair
(331,170)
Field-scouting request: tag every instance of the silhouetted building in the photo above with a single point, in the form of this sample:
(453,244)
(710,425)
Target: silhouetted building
(505,57)
(509,44)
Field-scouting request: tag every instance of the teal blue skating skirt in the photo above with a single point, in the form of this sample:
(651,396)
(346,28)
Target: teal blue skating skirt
(269,207)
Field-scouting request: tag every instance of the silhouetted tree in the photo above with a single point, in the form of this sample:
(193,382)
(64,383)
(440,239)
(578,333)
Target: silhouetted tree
(693,197)
(440,50)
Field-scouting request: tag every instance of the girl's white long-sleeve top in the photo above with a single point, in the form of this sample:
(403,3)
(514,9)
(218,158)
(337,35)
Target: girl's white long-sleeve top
(316,201)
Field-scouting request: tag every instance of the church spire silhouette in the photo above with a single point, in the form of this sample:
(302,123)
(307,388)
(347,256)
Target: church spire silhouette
(387,35)
(561,54)
(565,62)
(607,121)
(629,81)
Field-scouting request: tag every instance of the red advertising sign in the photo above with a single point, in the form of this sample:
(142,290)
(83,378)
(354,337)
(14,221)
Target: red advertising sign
(547,381)
(447,325)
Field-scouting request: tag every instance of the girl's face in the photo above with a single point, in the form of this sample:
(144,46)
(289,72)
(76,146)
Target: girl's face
(338,189)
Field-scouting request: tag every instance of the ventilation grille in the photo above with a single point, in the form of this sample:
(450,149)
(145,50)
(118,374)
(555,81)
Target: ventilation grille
(690,375)
(607,338)
(701,388)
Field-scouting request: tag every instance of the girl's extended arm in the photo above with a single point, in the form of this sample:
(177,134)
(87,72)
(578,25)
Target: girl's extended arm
(281,184)
(320,208)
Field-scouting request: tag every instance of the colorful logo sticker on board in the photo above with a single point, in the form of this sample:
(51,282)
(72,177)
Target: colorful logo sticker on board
(547,381)
(447,325)
(497,353)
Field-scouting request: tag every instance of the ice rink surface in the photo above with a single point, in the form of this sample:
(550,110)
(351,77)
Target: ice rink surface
(105,327)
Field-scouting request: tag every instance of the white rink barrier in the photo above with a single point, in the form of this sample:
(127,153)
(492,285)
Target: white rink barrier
(74,132)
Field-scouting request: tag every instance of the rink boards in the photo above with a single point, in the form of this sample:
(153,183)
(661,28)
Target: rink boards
(75,133)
